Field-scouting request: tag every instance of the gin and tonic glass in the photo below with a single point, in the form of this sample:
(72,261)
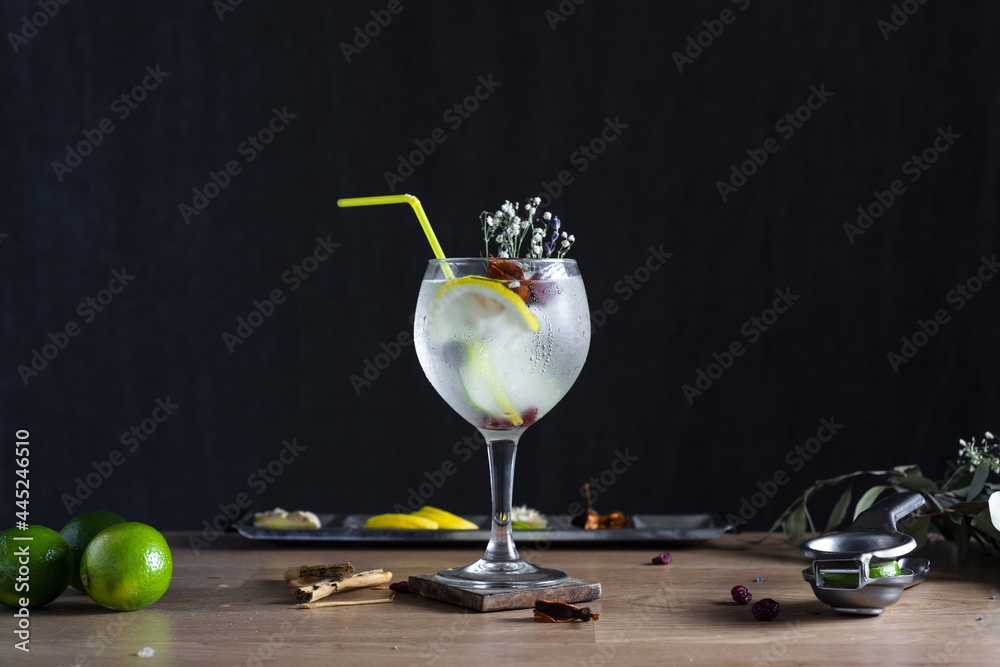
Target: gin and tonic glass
(502,341)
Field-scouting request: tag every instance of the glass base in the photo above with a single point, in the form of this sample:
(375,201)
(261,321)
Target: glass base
(507,574)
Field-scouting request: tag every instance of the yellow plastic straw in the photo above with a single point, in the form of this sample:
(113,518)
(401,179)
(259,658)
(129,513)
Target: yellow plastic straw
(417,208)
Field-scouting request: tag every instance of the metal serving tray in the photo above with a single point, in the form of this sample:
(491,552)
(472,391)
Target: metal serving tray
(647,528)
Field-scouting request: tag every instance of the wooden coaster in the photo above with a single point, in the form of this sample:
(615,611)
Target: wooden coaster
(499,599)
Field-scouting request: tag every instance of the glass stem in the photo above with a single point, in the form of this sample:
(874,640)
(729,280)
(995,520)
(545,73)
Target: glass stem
(501,548)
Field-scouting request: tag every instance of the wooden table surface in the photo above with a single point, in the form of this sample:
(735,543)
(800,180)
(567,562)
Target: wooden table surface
(228,605)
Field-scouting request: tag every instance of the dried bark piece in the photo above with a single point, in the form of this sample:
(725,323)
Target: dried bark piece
(614,520)
(322,589)
(562,612)
(307,574)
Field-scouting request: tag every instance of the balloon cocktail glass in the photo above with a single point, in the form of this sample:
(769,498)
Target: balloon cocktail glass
(502,341)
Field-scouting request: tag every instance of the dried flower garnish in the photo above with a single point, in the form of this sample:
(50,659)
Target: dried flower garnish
(589,519)
(531,518)
(663,559)
(508,230)
(562,612)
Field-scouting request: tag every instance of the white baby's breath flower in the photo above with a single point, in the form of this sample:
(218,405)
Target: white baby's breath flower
(505,231)
(530,516)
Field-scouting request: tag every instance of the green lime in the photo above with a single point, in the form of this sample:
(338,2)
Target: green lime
(127,566)
(35,565)
(80,531)
(888,568)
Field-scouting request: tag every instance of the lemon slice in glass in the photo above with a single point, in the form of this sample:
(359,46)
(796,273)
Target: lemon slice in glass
(470,302)
(484,315)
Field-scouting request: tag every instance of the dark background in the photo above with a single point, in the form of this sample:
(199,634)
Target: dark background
(557,84)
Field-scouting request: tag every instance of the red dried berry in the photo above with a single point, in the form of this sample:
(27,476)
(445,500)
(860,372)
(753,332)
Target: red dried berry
(528,418)
(662,559)
(741,595)
(400,587)
(765,610)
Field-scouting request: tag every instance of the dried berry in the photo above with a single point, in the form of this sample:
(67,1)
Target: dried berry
(741,595)
(765,610)
(400,586)
(662,559)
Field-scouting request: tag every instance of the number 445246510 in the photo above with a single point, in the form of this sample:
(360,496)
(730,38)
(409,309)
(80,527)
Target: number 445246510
(21,458)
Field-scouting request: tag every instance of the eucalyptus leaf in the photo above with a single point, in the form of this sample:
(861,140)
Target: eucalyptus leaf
(839,510)
(978,480)
(917,482)
(954,528)
(983,522)
(916,527)
(959,480)
(868,499)
(795,525)
(962,539)
(973,507)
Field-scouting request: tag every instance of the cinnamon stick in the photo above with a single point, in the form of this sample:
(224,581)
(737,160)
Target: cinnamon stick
(322,589)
